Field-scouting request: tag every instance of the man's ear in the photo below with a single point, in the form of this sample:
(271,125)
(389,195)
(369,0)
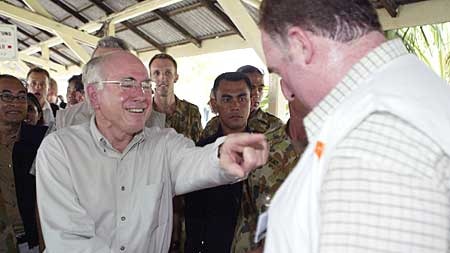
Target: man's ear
(300,46)
(176,78)
(93,96)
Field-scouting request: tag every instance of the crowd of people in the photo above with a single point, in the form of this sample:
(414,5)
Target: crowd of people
(124,165)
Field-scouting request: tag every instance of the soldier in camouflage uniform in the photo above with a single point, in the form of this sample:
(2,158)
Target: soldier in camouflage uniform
(180,115)
(286,145)
(259,121)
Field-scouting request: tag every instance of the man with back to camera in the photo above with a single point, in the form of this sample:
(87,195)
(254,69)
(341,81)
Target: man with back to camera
(38,80)
(375,176)
(180,115)
(259,120)
(115,193)
(211,213)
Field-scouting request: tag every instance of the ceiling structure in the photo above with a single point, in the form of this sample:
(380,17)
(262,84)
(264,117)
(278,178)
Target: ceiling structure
(60,34)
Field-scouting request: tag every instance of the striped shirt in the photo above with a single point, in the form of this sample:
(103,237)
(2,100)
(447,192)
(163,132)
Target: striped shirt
(386,187)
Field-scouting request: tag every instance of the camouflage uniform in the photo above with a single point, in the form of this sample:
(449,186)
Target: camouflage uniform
(7,208)
(186,120)
(262,184)
(258,122)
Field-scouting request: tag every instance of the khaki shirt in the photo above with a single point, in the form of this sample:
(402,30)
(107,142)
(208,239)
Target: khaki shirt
(92,198)
(186,120)
(258,121)
(262,184)
(10,220)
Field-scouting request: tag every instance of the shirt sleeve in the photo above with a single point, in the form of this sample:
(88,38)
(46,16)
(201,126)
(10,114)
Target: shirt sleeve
(66,226)
(194,168)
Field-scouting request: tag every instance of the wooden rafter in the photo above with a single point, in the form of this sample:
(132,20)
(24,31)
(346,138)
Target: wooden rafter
(130,26)
(222,16)
(32,37)
(391,6)
(70,10)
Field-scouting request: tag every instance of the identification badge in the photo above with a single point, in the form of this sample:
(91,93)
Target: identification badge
(261,228)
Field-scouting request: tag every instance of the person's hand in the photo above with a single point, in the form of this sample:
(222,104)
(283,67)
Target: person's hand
(243,152)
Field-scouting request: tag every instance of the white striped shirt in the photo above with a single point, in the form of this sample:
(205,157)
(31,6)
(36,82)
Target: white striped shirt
(386,188)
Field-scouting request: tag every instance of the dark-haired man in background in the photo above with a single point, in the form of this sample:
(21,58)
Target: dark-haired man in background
(211,213)
(18,145)
(259,120)
(376,174)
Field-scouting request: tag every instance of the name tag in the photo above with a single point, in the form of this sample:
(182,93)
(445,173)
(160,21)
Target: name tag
(261,228)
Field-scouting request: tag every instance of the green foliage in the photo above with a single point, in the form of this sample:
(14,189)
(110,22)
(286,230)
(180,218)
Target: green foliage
(431,43)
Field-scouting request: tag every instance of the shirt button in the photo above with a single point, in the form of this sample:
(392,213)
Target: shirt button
(123,218)
(122,188)
(122,248)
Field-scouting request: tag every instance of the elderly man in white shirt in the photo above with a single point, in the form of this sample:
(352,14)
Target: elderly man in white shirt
(38,80)
(107,185)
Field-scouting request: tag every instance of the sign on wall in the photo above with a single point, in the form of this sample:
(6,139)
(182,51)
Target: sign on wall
(8,43)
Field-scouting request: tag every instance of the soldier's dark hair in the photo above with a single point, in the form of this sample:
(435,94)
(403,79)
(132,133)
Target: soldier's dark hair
(163,56)
(249,69)
(339,20)
(231,76)
(77,79)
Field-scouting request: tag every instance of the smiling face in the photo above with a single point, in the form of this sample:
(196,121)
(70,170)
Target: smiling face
(119,110)
(38,83)
(16,110)
(233,105)
(164,74)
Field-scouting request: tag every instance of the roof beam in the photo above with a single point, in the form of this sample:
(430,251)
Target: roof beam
(213,45)
(253,3)
(32,37)
(42,62)
(129,25)
(222,16)
(391,6)
(178,27)
(70,10)
(415,14)
(245,23)
(35,6)
(76,48)
(44,23)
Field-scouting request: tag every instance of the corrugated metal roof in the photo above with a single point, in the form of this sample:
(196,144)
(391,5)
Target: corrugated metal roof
(94,13)
(119,5)
(162,32)
(201,22)
(78,4)
(179,5)
(135,41)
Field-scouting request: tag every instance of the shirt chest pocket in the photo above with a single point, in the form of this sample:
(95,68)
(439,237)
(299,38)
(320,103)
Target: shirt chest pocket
(154,205)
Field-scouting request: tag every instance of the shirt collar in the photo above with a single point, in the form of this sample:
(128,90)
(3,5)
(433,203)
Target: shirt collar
(105,146)
(46,106)
(383,54)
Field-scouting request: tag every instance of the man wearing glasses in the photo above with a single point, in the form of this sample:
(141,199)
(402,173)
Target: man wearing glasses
(18,145)
(113,193)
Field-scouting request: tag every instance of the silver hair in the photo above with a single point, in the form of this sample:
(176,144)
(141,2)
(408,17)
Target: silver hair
(112,42)
(92,73)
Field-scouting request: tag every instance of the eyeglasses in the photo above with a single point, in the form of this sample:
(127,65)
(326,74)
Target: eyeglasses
(8,98)
(129,84)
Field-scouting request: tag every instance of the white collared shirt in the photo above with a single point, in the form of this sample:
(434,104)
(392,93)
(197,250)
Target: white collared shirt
(93,198)
(47,113)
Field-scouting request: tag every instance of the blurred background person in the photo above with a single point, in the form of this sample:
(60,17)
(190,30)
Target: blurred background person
(75,90)
(34,111)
